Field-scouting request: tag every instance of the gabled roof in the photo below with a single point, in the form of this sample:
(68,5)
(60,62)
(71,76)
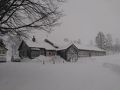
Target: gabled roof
(81,47)
(92,48)
(30,43)
(51,43)
(65,46)
(47,46)
(40,44)
(50,46)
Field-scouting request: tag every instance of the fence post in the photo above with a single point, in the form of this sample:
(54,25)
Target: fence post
(53,62)
(43,62)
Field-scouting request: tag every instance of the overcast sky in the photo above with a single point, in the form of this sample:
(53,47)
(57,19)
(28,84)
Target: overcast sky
(85,18)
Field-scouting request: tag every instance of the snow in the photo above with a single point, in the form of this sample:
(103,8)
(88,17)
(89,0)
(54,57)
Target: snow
(64,46)
(39,44)
(30,43)
(79,46)
(44,59)
(47,46)
(95,73)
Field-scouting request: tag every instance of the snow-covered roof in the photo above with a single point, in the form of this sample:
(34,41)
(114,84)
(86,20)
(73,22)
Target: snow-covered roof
(79,46)
(64,46)
(40,44)
(43,44)
(30,43)
(47,46)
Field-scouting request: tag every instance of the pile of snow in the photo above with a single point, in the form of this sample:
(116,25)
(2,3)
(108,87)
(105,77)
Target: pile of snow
(88,47)
(112,59)
(45,59)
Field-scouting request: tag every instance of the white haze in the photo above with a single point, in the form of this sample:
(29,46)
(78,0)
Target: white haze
(85,18)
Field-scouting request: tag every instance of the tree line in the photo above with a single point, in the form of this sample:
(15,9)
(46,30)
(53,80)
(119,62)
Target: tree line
(106,42)
(102,41)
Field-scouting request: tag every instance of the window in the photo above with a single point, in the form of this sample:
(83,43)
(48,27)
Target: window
(2,52)
(42,51)
(83,53)
(50,53)
(35,53)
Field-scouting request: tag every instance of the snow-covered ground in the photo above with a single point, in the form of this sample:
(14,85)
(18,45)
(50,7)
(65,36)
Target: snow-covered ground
(44,59)
(95,73)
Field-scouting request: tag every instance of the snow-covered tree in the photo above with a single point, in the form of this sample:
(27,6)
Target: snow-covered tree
(91,43)
(116,47)
(66,40)
(78,41)
(13,42)
(101,40)
(73,41)
(109,42)
(17,17)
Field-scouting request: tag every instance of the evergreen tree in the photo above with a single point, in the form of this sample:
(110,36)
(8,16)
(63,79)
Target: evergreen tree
(117,46)
(101,40)
(109,42)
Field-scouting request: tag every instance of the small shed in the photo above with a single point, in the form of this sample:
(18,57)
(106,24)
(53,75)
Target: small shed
(69,53)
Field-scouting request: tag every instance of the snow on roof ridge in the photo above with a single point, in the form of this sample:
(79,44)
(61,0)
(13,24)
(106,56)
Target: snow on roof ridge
(43,44)
(40,44)
(65,46)
(85,47)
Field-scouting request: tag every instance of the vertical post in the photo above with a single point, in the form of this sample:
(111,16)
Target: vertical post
(12,57)
(43,62)
(53,62)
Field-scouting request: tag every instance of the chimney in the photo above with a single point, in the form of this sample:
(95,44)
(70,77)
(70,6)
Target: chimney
(33,39)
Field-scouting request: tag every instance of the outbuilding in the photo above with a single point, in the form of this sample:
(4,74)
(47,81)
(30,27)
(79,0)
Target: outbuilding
(33,48)
(69,53)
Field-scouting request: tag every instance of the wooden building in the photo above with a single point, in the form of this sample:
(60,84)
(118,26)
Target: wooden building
(69,53)
(74,51)
(83,53)
(32,49)
(88,51)
(98,53)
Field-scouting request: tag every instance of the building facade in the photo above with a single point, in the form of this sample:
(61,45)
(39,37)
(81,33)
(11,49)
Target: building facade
(32,49)
(70,53)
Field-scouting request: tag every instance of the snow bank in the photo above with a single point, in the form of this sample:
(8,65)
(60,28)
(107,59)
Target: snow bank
(103,73)
(45,59)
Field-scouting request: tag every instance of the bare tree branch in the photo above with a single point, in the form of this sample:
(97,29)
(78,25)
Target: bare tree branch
(17,16)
